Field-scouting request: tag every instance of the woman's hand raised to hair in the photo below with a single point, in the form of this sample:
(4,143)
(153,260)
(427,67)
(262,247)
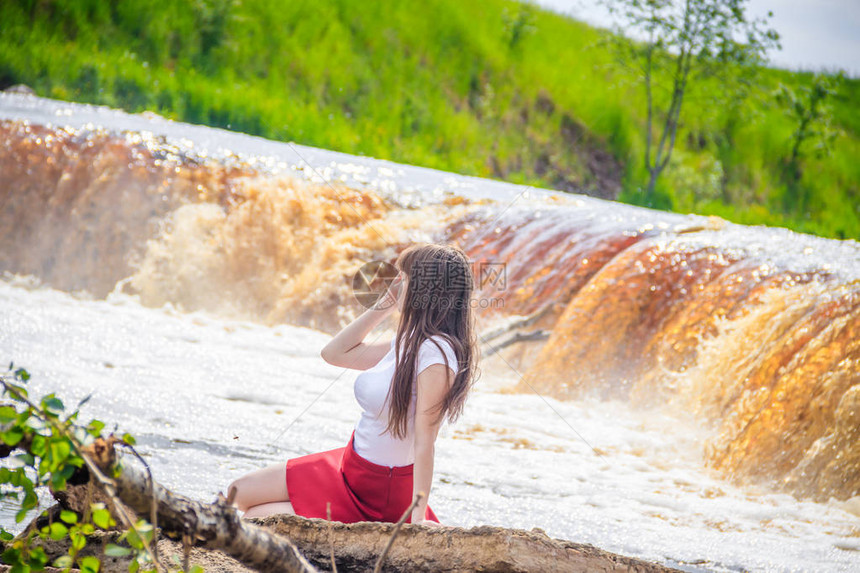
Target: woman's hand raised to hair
(348,349)
(391,299)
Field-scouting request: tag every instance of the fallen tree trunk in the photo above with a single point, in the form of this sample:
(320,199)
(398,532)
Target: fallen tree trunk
(419,548)
(215,526)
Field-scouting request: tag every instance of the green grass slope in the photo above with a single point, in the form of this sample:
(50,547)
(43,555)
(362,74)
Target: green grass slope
(447,84)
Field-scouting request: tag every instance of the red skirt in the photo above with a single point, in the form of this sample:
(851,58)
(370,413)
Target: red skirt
(358,489)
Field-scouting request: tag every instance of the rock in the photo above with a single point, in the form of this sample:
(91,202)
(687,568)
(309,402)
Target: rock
(20,89)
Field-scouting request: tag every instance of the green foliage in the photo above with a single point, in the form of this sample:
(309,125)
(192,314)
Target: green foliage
(808,106)
(517,24)
(49,442)
(480,88)
(811,112)
(681,44)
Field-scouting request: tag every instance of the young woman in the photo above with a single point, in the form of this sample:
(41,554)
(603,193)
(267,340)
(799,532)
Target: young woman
(409,386)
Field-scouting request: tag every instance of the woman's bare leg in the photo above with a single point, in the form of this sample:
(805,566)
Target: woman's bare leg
(264,486)
(274,508)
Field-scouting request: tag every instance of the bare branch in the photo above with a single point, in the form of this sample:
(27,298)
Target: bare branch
(418,497)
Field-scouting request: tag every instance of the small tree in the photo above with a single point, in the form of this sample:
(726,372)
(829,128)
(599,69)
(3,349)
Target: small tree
(810,111)
(518,25)
(678,42)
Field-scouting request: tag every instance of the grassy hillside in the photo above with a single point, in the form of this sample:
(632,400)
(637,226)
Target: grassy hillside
(481,88)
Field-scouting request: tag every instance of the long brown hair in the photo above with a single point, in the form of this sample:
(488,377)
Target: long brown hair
(438,301)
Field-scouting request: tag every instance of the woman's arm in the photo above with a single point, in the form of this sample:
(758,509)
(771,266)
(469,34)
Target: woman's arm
(347,350)
(433,384)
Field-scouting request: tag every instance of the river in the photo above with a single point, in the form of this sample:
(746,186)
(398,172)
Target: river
(693,404)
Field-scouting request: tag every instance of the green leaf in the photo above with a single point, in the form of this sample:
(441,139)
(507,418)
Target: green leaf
(11,556)
(12,437)
(44,467)
(34,423)
(22,375)
(58,482)
(19,517)
(60,450)
(20,568)
(58,531)
(196,569)
(8,414)
(30,498)
(63,562)
(145,529)
(134,566)
(39,445)
(113,550)
(134,539)
(14,390)
(95,427)
(53,405)
(69,517)
(101,517)
(78,541)
(68,471)
(80,434)
(129,439)
(89,564)
(15,477)
(38,558)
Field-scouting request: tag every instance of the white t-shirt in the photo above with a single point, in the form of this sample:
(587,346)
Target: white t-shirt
(371,389)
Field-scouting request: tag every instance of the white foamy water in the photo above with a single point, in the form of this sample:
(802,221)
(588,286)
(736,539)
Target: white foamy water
(206,399)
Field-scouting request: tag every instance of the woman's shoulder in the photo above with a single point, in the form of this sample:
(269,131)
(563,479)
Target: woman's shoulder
(430,353)
(443,340)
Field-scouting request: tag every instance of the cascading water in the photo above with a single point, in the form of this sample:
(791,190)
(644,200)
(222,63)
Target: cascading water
(745,339)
